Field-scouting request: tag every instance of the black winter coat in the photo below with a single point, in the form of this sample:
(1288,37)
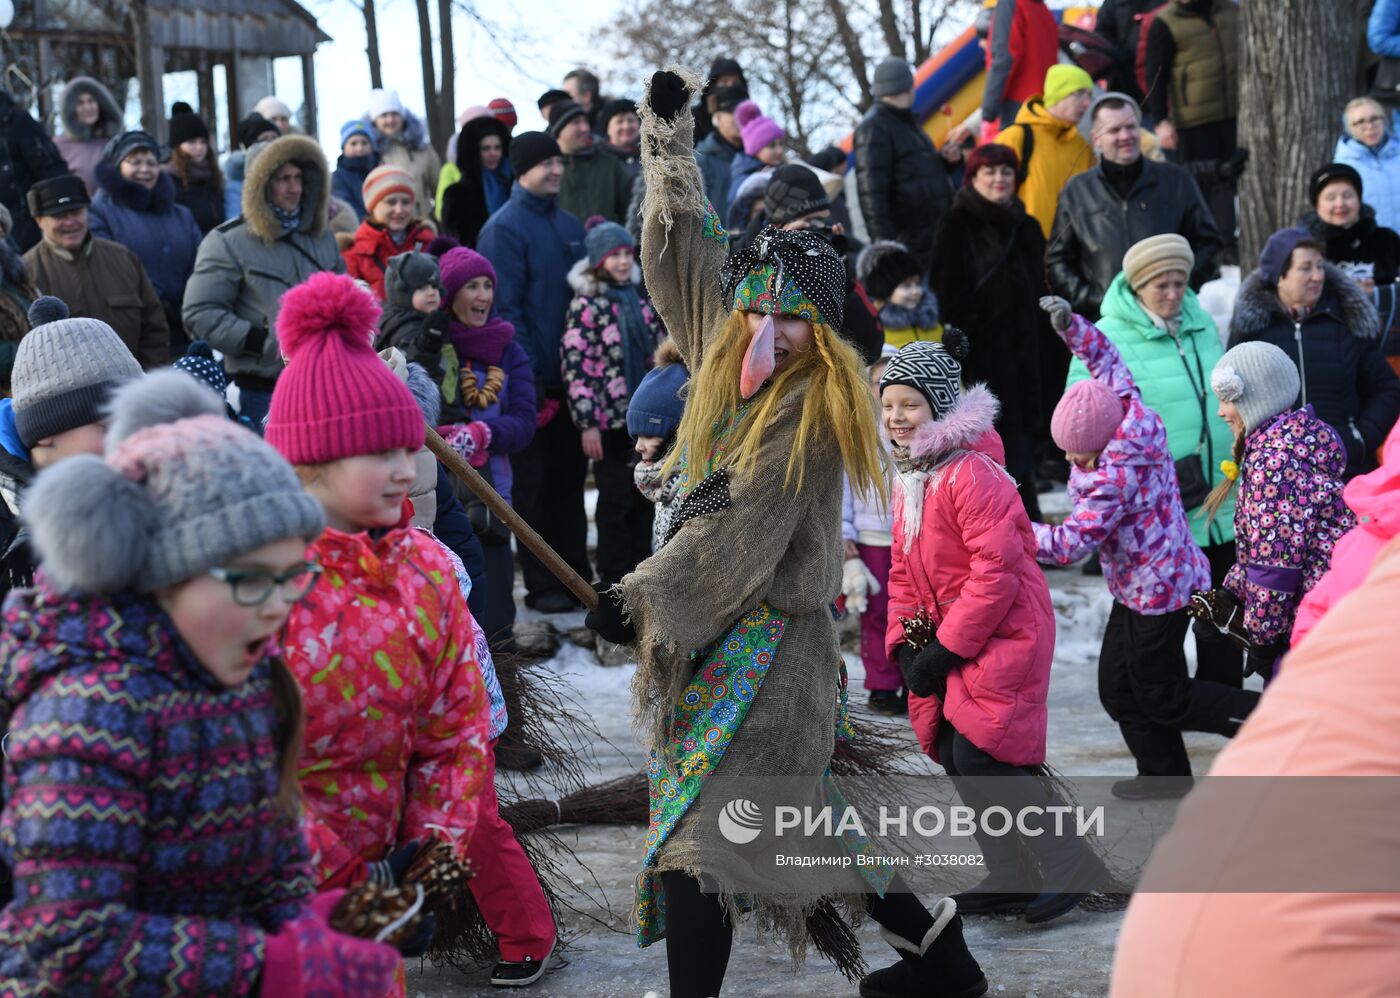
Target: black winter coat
(989,275)
(903,182)
(1120,22)
(1094,227)
(27,156)
(464,203)
(205,202)
(1344,376)
(1364,242)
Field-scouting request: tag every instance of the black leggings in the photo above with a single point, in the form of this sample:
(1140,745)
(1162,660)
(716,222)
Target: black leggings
(699,937)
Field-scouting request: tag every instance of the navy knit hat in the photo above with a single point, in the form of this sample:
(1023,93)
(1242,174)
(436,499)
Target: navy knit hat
(1274,257)
(123,145)
(656,407)
(529,149)
(605,238)
(199,363)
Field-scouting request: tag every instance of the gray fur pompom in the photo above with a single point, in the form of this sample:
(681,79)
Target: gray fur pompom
(90,525)
(161,397)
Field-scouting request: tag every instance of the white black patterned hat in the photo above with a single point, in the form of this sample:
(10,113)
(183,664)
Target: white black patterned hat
(932,369)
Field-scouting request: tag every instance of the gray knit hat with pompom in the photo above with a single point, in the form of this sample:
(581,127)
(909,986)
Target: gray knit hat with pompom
(182,490)
(1259,378)
(65,370)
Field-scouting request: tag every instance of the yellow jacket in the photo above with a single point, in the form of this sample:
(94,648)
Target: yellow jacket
(1058,152)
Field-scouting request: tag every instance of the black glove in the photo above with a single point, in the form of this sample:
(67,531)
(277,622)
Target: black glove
(1261,661)
(925,672)
(1233,168)
(435,327)
(256,340)
(417,942)
(388,871)
(609,618)
(668,95)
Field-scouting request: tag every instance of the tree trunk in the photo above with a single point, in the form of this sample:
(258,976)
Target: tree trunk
(1297,65)
(446,109)
(855,55)
(430,97)
(376,76)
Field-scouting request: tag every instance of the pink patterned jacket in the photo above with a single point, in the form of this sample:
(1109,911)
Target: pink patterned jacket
(396,714)
(1128,506)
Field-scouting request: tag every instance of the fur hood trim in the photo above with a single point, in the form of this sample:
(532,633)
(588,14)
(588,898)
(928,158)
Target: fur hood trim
(975,414)
(316,188)
(584,279)
(414,136)
(109,116)
(157,200)
(425,392)
(1257,307)
(922,316)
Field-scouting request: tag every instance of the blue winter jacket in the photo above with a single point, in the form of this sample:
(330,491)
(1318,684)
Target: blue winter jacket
(1383,29)
(1380,174)
(715,156)
(147,221)
(533,243)
(742,167)
(348,180)
(233,183)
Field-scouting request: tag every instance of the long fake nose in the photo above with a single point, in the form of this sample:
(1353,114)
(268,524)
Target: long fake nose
(758,359)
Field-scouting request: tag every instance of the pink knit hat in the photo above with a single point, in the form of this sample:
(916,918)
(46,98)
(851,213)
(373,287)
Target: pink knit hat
(757,131)
(460,265)
(1086,418)
(336,398)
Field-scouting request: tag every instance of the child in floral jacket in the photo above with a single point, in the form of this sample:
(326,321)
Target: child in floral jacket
(150,801)
(396,746)
(1290,511)
(610,337)
(1127,509)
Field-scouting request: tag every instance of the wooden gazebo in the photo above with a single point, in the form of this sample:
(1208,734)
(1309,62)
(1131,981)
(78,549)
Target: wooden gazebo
(114,41)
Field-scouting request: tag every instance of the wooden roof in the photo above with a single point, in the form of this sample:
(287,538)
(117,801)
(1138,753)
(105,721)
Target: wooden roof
(252,27)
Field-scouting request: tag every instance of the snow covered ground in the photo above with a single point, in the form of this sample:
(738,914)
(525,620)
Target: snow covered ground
(1069,957)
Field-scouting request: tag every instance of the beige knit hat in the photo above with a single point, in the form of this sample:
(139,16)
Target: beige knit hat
(1156,255)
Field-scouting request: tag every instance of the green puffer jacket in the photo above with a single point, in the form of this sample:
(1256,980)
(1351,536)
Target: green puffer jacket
(1161,374)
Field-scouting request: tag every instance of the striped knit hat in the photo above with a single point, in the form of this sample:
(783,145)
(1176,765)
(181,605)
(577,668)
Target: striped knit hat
(336,398)
(385,180)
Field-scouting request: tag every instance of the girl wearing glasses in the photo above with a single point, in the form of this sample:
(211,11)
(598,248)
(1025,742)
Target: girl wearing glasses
(396,748)
(151,801)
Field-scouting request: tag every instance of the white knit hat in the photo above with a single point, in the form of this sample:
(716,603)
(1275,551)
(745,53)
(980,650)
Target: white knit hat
(383,102)
(1259,378)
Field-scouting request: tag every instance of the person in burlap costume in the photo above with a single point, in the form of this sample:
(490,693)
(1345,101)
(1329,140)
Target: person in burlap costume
(740,684)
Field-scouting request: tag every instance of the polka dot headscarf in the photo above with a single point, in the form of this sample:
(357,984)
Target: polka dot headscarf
(788,273)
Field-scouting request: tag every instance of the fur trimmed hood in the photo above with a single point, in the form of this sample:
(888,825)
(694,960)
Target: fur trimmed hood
(961,429)
(1257,306)
(109,116)
(316,188)
(584,279)
(425,392)
(413,137)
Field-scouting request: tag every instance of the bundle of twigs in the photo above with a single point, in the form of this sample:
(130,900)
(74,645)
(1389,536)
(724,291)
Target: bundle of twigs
(622,801)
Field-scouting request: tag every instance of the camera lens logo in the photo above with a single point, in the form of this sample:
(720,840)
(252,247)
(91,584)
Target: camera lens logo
(741,821)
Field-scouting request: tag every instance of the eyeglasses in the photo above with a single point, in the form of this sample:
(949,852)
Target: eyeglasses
(254,587)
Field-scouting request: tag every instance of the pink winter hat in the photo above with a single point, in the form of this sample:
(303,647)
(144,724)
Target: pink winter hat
(336,398)
(1086,418)
(756,129)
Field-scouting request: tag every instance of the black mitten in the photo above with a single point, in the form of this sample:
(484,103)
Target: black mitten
(435,326)
(609,619)
(669,94)
(418,942)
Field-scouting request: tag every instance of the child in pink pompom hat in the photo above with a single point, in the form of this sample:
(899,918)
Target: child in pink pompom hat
(396,750)
(1127,507)
(763,146)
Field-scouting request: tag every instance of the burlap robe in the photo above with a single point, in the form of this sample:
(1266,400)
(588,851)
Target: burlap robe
(771,543)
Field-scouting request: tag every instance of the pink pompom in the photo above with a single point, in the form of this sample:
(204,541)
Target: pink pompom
(325,304)
(593,221)
(746,112)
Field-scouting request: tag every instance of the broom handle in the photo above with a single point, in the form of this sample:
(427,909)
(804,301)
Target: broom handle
(472,479)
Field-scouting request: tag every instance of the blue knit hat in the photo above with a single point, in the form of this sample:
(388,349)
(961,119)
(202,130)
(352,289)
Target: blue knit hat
(356,127)
(1274,256)
(604,238)
(200,363)
(656,406)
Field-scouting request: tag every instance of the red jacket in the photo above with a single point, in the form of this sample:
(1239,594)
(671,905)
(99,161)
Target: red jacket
(368,256)
(396,712)
(964,552)
(1033,47)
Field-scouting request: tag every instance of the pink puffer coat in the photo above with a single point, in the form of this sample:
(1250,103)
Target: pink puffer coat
(964,552)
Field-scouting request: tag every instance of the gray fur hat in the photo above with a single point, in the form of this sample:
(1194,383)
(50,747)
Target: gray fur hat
(64,371)
(1259,378)
(408,272)
(182,490)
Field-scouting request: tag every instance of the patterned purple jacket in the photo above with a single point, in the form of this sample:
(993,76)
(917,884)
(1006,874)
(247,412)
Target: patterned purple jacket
(1288,515)
(1129,505)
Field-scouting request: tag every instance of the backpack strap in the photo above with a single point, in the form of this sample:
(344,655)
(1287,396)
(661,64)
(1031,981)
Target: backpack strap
(1027,147)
